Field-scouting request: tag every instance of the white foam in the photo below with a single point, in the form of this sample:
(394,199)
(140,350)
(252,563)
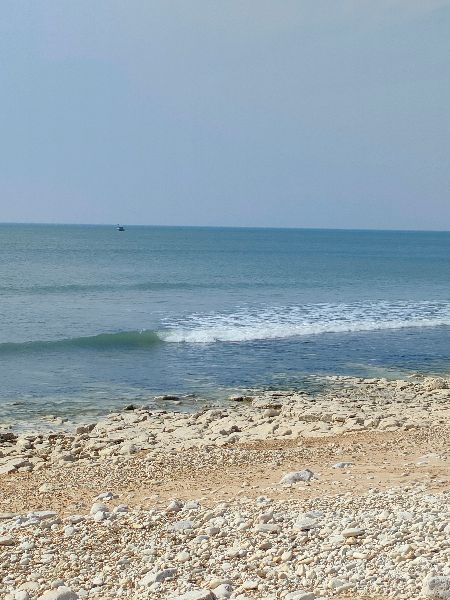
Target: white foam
(284,322)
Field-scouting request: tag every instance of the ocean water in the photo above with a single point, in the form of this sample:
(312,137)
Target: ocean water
(92,318)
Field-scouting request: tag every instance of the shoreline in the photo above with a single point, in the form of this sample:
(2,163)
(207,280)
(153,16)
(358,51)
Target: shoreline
(171,503)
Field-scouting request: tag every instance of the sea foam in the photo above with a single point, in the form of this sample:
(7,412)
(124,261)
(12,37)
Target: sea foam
(291,321)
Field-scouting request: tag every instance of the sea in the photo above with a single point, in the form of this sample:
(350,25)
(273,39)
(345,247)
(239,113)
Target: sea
(93,319)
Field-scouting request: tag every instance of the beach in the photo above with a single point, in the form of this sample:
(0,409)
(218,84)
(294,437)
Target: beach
(277,494)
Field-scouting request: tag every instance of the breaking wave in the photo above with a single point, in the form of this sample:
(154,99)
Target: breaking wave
(248,324)
(277,323)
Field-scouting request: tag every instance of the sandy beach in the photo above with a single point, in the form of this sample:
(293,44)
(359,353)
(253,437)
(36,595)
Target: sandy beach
(273,495)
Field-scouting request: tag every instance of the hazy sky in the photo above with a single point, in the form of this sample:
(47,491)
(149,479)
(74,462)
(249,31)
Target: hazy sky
(309,113)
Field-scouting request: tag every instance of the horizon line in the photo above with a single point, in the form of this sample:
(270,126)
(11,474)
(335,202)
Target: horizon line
(281,227)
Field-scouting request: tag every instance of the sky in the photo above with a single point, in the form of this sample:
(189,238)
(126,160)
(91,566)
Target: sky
(300,113)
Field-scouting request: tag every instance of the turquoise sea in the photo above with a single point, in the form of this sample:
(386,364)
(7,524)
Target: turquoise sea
(92,318)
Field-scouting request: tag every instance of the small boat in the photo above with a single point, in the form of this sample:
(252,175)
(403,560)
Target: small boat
(120,228)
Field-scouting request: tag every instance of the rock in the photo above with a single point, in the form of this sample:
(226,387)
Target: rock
(300,595)
(100,516)
(62,593)
(98,507)
(266,403)
(174,506)
(7,469)
(271,412)
(191,505)
(240,398)
(250,584)
(305,524)
(105,496)
(352,532)
(7,541)
(67,457)
(182,525)
(157,577)
(196,595)
(128,449)
(7,436)
(223,591)
(436,587)
(6,516)
(182,557)
(342,465)
(21,595)
(435,383)
(30,586)
(41,515)
(46,488)
(81,429)
(294,476)
(57,583)
(268,528)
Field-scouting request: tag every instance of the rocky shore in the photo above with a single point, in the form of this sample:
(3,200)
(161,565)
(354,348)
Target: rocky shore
(288,495)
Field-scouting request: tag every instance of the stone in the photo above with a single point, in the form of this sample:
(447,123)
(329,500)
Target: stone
(196,595)
(62,593)
(352,532)
(250,584)
(223,591)
(4,516)
(7,436)
(342,465)
(100,516)
(98,507)
(174,506)
(305,524)
(157,577)
(7,541)
(7,469)
(46,488)
(294,476)
(182,557)
(436,587)
(240,398)
(300,595)
(268,528)
(41,515)
(182,525)
(104,496)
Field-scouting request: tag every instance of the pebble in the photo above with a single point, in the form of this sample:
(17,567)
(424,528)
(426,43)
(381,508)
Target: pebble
(196,595)
(7,541)
(223,591)
(294,476)
(62,593)
(300,595)
(387,542)
(437,588)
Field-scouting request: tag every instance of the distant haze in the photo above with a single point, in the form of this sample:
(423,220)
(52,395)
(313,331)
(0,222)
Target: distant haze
(308,113)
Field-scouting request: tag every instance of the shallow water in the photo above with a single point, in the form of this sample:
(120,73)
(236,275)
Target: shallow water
(92,319)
